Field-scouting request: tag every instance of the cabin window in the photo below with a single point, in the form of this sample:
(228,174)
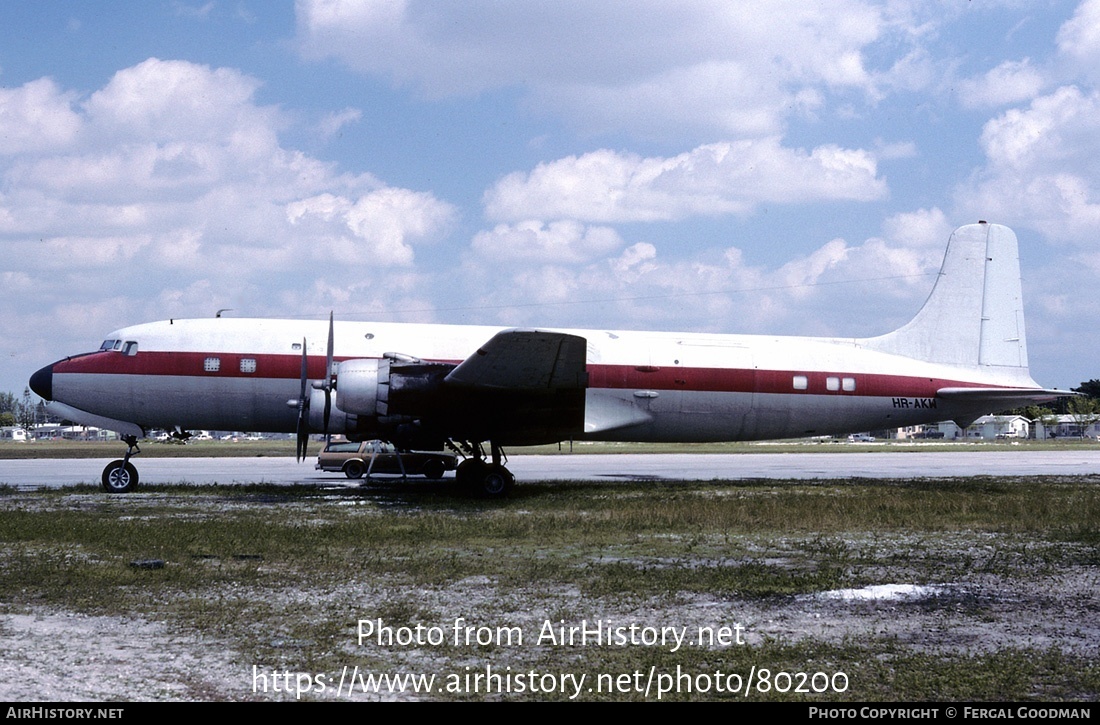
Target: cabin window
(801,382)
(248,364)
(212,364)
(296,346)
(846,384)
(107,345)
(130,348)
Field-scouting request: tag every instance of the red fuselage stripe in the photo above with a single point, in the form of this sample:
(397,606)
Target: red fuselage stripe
(623,377)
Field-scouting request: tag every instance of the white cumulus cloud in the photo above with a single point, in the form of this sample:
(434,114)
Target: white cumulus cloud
(715,179)
(1079,39)
(36,117)
(1041,167)
(561,242)
(1009,82)
(728,67)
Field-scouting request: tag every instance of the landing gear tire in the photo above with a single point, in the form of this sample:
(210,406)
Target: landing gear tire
(470,472)
(119,477)
(354,469)
(432,469)
(487,479)
(497,481)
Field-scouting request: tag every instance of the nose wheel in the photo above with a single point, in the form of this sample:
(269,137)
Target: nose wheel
(121,476)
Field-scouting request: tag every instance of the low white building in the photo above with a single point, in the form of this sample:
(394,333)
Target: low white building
(88,433)
(1066,426)
(13,433)
(991,427)
(986,428)
(73,433)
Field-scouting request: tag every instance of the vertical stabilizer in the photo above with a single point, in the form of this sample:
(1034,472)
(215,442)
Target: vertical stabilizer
(974,316)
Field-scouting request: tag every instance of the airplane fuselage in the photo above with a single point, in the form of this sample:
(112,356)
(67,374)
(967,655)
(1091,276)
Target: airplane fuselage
(244,374)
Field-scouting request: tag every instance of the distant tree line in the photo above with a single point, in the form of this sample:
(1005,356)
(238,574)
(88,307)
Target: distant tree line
(1090,388)
(1084,408)
(23,412)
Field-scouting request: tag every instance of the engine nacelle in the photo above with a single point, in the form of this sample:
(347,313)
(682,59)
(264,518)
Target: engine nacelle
(375,394)
(363,387)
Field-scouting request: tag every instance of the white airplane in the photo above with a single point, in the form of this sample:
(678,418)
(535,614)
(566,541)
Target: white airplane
(423,386)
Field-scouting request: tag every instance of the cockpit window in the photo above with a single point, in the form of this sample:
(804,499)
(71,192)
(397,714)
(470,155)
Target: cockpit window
(128,347)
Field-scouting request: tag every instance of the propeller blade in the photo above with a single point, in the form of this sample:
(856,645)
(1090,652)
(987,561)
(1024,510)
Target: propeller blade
(328,372)
(305,376)
(303,423)
(331,339)
(303,439)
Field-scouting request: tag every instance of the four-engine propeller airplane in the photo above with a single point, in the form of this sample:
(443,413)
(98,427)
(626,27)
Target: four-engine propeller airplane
(423,386)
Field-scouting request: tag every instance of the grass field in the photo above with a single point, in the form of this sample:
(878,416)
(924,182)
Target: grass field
(179,592)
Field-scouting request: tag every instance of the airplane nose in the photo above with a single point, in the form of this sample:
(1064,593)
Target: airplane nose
(42,383)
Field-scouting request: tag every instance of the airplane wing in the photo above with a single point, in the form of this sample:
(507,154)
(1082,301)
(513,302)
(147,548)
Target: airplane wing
(521,387)
(525,360)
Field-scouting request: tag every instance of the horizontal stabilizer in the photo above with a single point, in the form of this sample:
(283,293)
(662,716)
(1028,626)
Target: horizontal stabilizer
(1003,395)
(526,360)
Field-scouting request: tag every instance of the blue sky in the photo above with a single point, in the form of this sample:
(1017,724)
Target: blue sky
(757,167)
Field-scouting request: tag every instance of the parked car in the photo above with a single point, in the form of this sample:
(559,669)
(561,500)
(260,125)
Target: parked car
(861,438)
(355,459)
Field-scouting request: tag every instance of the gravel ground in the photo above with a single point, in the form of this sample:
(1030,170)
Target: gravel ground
(51,655)
(64,656)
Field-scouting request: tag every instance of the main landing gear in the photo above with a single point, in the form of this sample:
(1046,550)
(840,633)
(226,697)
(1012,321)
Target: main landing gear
(491,478)
(120,476)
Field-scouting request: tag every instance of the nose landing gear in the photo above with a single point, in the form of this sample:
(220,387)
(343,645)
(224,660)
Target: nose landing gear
(121,476)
